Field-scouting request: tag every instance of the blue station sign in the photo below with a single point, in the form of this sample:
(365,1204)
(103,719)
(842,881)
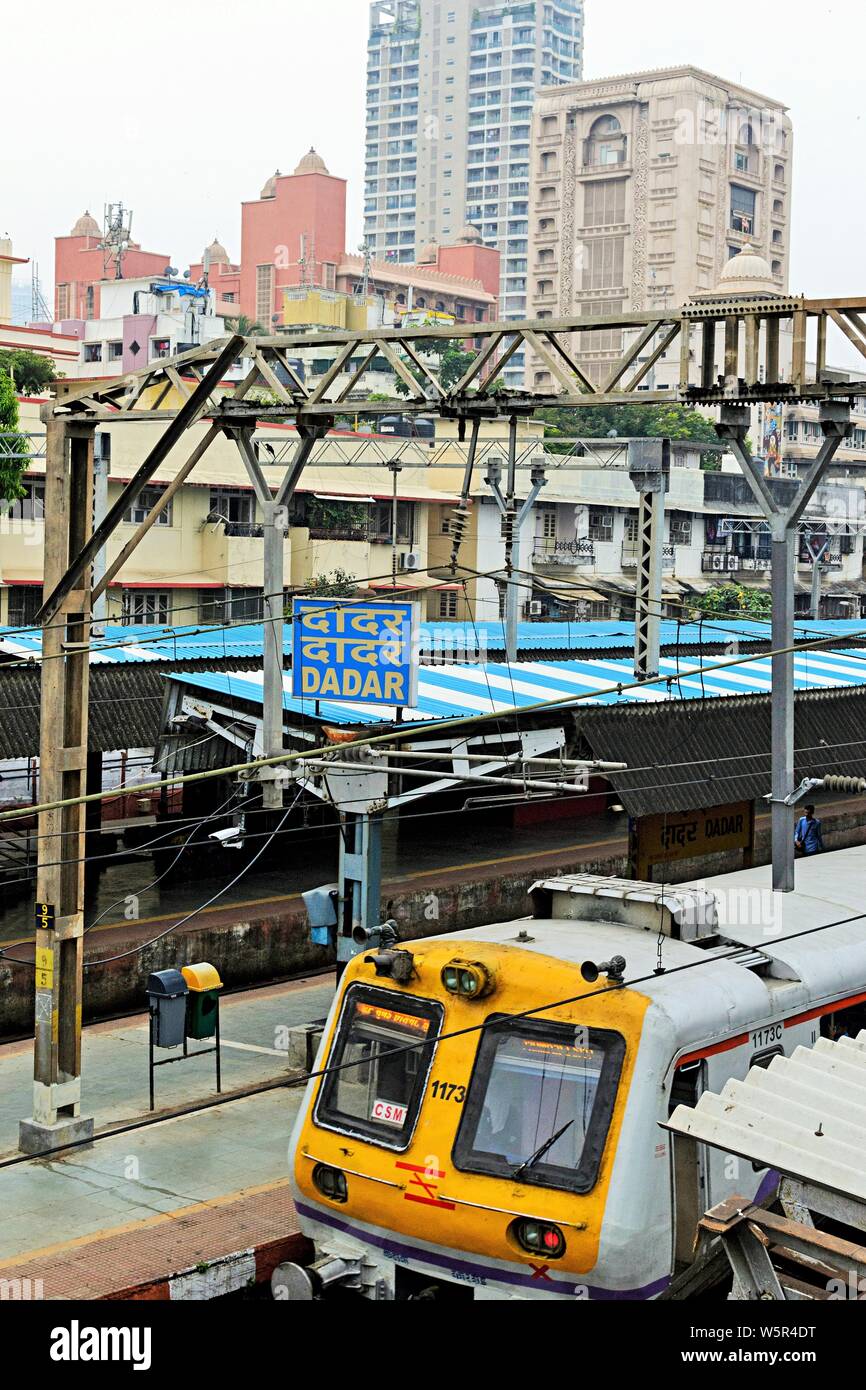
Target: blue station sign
(364,652)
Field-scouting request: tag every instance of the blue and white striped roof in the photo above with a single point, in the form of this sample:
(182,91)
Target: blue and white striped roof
(439,641)
(448,692)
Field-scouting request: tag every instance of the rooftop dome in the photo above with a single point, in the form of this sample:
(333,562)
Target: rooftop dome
(86,226)
(469,235)
(428,254)
(216,253)
(270,188)
(312,163)
(746,273)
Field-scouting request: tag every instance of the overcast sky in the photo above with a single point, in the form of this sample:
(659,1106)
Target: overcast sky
(183,110)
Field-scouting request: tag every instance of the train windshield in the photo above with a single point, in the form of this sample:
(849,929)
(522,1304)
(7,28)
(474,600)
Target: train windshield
(540,1103)
(383,1061)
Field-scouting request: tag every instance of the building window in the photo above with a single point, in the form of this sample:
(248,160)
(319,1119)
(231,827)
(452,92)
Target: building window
(600,524)
(233,506)
(160,347)
(93,352)
(382,521)
(146,501)
(25,600)
(681,528)
(547,522)
(147,606)
(606,144)
(779,173)
(448,605)
(264,294)
(63,301)
(88,300)
(231,605)
(245,605)
(603,264)
(329,273)
(115,351)
(743,205)
(604,203)
(30,507)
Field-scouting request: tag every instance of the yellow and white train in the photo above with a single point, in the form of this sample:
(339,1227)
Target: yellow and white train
(525,1158)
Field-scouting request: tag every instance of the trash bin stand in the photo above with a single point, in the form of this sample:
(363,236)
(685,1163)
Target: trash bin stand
(186,1055)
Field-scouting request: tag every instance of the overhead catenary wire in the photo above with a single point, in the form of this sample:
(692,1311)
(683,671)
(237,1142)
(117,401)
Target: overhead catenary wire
(404,731)
(145,946)
(612,988)
(249,837)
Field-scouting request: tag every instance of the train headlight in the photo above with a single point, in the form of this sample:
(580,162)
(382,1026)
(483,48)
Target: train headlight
(466,978)
(539,1238)
(331,1182)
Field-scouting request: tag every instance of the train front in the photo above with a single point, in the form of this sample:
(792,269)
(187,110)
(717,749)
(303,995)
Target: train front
(452,1147)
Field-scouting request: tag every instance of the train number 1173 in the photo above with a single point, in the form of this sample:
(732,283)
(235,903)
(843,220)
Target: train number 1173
(448,1090)
(765,1036)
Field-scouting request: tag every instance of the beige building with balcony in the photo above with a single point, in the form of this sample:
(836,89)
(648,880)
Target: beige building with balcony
(643,187)
(202,561)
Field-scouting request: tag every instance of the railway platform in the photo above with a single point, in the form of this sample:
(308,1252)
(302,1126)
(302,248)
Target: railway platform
(189,1202)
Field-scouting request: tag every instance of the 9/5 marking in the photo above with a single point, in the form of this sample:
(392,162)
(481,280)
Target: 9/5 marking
(448,1090)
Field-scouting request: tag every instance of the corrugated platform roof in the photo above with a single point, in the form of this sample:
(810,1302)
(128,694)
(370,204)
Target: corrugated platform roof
(447,692)
(130,644)
(804,1115)
(719,752)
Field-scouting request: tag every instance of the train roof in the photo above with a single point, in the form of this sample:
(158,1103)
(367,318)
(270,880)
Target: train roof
(720,991)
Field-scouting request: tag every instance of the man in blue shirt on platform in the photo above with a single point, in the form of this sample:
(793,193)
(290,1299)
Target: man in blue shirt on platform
(807,836)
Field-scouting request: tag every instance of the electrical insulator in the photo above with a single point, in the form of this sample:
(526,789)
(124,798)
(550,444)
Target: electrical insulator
(844,784)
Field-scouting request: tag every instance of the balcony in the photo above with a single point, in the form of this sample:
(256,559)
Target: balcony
(549,552)
(629,556)
(244,529)
(721,563)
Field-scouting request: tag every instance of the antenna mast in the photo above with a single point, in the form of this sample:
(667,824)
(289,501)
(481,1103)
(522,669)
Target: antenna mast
(39,311)
(116,237)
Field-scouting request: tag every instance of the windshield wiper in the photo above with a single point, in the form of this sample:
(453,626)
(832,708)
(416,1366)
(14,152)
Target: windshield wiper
(539,1153)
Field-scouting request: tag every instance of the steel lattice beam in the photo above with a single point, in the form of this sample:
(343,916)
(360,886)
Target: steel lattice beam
(752,336)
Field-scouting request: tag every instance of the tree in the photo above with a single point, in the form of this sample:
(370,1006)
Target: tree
(453,364)
(14,449)
(736,599)
(648,421)
(30,372)
(248,328)
(336,585)
(670,421)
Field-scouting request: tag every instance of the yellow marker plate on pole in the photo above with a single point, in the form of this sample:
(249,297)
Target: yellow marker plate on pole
(44,968)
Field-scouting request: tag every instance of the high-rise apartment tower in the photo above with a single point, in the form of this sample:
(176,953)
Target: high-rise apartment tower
(450,91)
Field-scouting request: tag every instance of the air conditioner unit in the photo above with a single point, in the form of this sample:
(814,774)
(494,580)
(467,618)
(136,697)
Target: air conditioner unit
(411,560)
(718,562)
(748,564)
(733,562)
(536,608)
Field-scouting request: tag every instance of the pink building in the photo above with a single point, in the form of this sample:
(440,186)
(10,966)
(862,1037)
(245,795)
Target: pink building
(293,234)
(80,264)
